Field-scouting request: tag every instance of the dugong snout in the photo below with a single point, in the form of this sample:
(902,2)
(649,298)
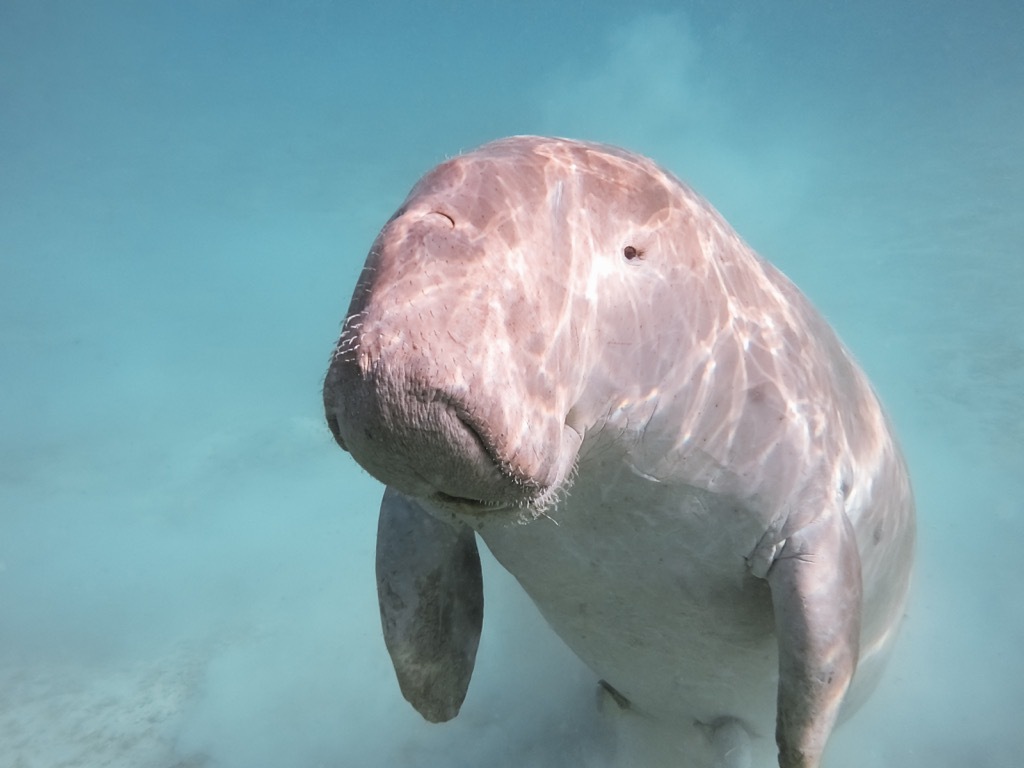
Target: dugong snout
(441,452)
(421,391)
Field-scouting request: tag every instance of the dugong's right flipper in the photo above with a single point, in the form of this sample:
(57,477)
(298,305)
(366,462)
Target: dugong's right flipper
(431,604)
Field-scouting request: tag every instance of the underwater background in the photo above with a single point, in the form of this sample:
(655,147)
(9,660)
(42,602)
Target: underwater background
(187,193)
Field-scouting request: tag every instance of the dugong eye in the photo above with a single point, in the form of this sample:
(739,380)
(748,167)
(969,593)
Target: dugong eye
(632,252)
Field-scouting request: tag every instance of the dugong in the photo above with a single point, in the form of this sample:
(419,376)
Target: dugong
(561,348)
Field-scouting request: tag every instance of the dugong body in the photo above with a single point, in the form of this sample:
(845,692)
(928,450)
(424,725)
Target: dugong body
(559,347)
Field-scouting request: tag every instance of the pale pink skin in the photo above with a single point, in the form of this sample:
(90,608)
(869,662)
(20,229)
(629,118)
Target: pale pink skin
(564,348)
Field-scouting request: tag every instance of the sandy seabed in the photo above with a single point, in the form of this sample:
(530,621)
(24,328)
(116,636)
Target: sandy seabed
(110,716)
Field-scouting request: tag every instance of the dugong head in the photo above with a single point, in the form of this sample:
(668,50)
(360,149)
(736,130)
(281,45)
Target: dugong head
(493,309)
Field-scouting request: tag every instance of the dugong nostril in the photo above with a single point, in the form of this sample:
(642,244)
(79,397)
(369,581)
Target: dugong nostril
(443,215)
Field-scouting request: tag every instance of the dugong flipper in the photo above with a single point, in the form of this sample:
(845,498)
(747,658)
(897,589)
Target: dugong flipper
(816,595)
(431,604)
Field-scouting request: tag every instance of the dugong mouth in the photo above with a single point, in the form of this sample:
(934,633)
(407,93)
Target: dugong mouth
(429,444)
(528,495)
(467,506)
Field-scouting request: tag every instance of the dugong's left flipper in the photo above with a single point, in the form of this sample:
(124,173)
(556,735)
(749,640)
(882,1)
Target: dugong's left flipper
(816,593)
(431,604)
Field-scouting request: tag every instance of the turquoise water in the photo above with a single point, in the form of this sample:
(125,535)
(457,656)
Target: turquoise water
(187,192)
